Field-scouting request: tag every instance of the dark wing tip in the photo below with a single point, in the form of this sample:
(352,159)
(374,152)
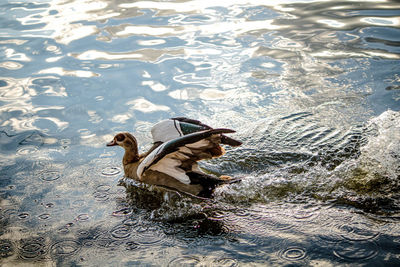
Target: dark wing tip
(230,141)
(221,130)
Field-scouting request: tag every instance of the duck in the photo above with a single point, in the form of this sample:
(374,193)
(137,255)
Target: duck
(172,162)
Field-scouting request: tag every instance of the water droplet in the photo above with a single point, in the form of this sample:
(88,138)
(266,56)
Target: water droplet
(49,205)
(23,215)
(121,232)
(65,229)
(50,175)
(122,212)
(103,188)
(101,196)
(82,217)
(110,171)
(64,248)
(27,150)
(44,216)
(130,222)
(131,245)
(293,254)
(87,243)
(149,235)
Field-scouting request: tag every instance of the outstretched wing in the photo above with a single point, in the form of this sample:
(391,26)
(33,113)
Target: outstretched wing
(176,127)
(180,155)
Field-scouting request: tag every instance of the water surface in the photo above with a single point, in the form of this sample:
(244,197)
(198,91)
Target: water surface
(311,87)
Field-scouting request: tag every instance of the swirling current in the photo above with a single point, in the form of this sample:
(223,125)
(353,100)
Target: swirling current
(310,86)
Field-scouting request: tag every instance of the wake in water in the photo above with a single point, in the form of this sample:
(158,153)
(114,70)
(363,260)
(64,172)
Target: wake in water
(359,167)
(363,171)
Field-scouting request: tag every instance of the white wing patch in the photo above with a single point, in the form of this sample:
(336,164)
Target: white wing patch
(166,130)
(170,166)
(147,161)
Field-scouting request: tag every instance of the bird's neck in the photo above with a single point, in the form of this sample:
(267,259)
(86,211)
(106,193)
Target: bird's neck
(131,155)
(130,170)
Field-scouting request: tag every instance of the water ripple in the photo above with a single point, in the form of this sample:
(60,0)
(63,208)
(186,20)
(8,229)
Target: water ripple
(106,242)
(356,251)
(121,231)
(27,150)
(101,196)
(185,261)
(149,235)
(122,212)
(23,215)
(293,254)
(131,245)
(50,175)
(33,248)
(64,248)
(110,171)
(83,217)
(228,262)
(6,248)
(64,229)
(358,231)
(44,216)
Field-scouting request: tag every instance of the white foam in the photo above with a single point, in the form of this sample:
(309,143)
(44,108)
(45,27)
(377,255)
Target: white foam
(381,155)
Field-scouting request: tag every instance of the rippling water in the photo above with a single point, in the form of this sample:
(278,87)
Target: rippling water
(312,88)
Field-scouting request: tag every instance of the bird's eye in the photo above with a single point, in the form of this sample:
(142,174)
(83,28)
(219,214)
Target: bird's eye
(120,137)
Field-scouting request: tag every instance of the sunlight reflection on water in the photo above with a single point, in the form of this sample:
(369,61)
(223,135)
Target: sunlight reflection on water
(311,87)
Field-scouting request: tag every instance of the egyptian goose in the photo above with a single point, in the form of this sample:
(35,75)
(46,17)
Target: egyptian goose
(173,163)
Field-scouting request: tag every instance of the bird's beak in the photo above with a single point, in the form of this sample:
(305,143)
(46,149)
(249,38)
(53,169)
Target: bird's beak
(112,143)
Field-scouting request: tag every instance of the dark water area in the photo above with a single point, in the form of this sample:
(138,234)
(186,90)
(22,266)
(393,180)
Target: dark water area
(312,88)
